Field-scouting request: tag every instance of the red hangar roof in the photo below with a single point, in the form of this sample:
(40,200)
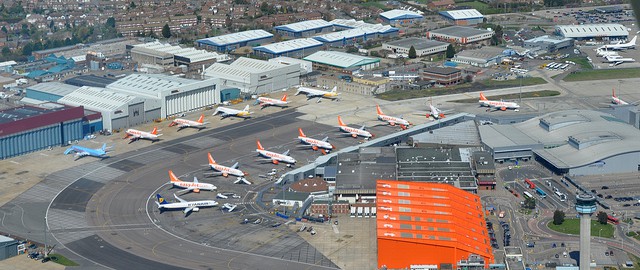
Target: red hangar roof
(429,223)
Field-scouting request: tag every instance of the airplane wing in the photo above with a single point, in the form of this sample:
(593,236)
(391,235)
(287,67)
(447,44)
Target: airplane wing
(325,139)
(363,127)
(195,179)
(187,210)
(82,154)
(179,199)
(286,153)
(235,165)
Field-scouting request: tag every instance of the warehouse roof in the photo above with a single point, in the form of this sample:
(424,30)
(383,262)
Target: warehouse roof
(239,37)
(243,67)
(397,14)
(168,50)
(304,26)
(548,39)
(90,80)
(291,196)
(289,46)
(340,59)
(417,43)
(462,14)
(54,88)
(99,99)
(380,28)
(592,30)
(150,84)
(460,31)
(482,53)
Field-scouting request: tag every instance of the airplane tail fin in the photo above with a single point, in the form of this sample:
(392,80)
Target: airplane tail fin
(334,90)
(246,108)
(482,97)
(284,98)
(104,147)
(340,121)
(201,119)
(161,200)
(379,110)
(173,177)
(633,41)
(211,160)
(154,131)
(613,92)
(259,145)
(301,133)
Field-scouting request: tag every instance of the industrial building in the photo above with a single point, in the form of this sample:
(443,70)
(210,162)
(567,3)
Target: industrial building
(401,17)
(421,45)
(356,35)
(463,16)
(31,128)
(483,57)
(605,31)
(254,76)
(166,55)
(442,75)
(430,224)
(8,247)
(341,62)
(358,172)
(230,42)
(291,199)
(296,48)
(304,28)
(548,44)
(364,86)
(305,66)
(382,31)
(49,91)
(460,34)
(90,80)
(169,94)
(464,134)
(575,142)
(449,165)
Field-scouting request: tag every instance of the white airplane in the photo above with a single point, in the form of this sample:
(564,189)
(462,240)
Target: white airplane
(224,170)
(265,101)
(404,124)
(616,100)
(229,206)
(323,145)
(605,53)
(500,105)
(187,205)
(620,46)
(227,112)
(242,180)
(274,157)
(184,123)
(435,112)
(353,132)
(222,196)
(194,186)
(617,60)
(137,135)
(313,93)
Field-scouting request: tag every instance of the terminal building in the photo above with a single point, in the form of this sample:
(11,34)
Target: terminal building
(230,42)
(575,142)
(449,165)
(548,44)
(254,76)
(341,62)
(460,34)
(304,28)
(422,46)
(401,17)
(463,16)
(605,31)
(296,48)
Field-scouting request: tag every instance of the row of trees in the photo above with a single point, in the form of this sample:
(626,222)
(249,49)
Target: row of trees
(559,215)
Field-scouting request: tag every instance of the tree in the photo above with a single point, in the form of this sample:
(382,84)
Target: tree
(6,51)
(264,7)
(412,53)
(132,5)
(27,49)
(602,217)
(530,203)
(558,217)
(166,31)
(450,51)
(111,22)
(4,29)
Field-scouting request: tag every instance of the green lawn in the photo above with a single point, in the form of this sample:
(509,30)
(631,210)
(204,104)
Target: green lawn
(603,74)
(59,259)
(636,261)
(379,5)
(572,226)
(536,94)
(581,61)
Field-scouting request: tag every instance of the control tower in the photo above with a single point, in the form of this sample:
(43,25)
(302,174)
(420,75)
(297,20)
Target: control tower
(585,205)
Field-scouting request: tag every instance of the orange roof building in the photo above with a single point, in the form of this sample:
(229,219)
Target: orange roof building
(429,224)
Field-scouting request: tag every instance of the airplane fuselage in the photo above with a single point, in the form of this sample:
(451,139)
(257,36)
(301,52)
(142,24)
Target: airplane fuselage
(226,170)
(195,205)
(393,120)
(141,134)
(499,104)
(200,186)
(277,157)
(618,101)
(316,143)
(356,131)
(187,123)
(265,101)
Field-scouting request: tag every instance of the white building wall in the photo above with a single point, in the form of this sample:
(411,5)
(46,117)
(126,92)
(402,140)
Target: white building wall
(624,163)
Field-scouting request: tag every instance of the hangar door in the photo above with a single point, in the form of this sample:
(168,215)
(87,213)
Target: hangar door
(180,102)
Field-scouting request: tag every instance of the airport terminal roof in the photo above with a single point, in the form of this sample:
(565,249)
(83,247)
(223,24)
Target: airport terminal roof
(238,37)
(289,46)
(462,14)
(304,26)
(340,59)
(592,30)
(464,133)
(99,99)
(571,139)
(292,196)
(358,171)
(417,43)
(54,88)
(460,31)
(400,14)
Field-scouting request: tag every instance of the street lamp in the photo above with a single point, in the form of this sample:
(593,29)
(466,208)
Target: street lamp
(599,232)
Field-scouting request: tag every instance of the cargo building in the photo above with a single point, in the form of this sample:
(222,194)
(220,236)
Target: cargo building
(401,17)
(463,16)
(304,28)
(230,42)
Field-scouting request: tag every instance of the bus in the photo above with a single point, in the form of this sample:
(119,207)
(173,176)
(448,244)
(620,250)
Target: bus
(561,196)
(527,194)
(531,184)
(612,220)
(541,192)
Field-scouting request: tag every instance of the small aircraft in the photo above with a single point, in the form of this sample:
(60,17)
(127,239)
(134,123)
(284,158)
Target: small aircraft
(353,132)
(184,123)
(313,93)
(84,151)
(616,100)
(194,186)
(265,101)
(227,112)
(229,206)
(222,196)
(323,145)
(274,157)
(224,170)
(242,180)
(404,124)
(620,46)
(605,53)
(137,135)
(187,205)
(617,60)
(500,105)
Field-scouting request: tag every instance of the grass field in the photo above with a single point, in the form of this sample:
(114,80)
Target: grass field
(581,61)
(603,74)
(461,88)
(543,93)
(572,226)
(59,259)
(379,5)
